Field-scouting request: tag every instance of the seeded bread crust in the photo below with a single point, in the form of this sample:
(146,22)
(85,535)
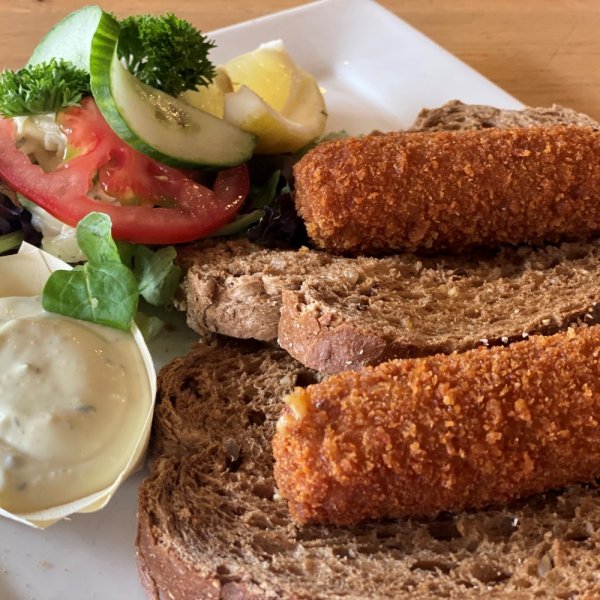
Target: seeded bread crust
(211,524)
(234,288)
(457,116)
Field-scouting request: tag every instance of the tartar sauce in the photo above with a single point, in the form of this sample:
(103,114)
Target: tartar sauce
(73,396)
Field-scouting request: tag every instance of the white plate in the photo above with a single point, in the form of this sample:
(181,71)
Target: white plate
(377,73)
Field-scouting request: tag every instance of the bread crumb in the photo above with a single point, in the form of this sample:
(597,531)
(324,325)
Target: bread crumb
(415,447)
(493,436)
(522,410)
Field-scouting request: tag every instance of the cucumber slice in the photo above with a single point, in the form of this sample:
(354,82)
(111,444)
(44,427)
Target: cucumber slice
(71,38)
(149,120)
(155,123)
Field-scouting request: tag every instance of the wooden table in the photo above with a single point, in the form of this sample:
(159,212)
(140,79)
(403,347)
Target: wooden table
(541,51)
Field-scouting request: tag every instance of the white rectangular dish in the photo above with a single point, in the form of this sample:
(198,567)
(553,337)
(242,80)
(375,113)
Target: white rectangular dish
(377,73)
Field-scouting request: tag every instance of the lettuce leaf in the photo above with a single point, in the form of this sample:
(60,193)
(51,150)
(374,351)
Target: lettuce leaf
(106,289)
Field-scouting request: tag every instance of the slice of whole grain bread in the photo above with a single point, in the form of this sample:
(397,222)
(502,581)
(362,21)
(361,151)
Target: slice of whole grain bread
(211,523)
(389,309)
(234,287)
(336,313)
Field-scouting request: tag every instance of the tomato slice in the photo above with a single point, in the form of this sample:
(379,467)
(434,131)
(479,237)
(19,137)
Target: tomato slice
(170,207)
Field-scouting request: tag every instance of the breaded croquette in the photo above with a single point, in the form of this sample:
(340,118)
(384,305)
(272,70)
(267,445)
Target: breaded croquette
(413,438)
(451,190)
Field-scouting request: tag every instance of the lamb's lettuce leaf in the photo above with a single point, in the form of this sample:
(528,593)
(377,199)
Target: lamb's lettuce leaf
(106,289)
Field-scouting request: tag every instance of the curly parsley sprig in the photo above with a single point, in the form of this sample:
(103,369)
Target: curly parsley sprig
(166,52)
(42,88)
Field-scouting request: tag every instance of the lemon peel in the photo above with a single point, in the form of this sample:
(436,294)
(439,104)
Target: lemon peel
(275,132)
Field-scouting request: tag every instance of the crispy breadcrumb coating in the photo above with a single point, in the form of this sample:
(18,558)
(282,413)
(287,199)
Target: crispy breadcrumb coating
(412,438)
(451,190)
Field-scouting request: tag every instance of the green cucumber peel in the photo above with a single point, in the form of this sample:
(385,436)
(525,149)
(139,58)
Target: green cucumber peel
(155,123)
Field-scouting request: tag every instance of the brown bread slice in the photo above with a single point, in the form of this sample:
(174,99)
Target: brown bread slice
(211,524)
(457,116)
(341,313)
(395,308)
(234,287)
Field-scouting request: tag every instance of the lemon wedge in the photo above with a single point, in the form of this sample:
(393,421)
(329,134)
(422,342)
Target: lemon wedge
(210,98)
(274,99)
(268,71)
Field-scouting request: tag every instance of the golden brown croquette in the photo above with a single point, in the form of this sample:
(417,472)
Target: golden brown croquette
(451,190)
(413,438)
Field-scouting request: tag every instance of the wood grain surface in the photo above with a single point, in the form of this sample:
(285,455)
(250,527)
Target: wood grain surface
(541,51)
